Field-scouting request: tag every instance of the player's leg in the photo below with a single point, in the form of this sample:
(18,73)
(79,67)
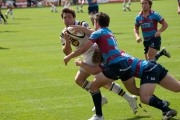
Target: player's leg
(151,53)
(11,11)
(81,6)
(131,99)
(147,97)
(170,83)
(151,76)
(162,52)
(8,9)
(55,4)
(128,5)
(52,6)
(124,5)
(99,81)
(77,9)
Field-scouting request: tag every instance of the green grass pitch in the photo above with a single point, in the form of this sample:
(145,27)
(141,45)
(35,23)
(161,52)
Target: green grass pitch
(36,85)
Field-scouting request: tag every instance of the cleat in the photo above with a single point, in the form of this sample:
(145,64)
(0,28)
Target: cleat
(169,114)
(81,10)
(166,53)
(104,101)
(128,8)
(12,18)
(124,9)
(6,16)
(133,104)
(77,11)
(51,10)
(95,117)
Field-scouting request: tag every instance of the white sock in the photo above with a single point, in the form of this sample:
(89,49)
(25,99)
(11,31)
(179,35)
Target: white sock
(86,85)
(118,90)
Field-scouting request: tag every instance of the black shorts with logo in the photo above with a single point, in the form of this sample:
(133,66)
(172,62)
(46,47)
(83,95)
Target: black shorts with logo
(153,73)
(120,70)
(153,43)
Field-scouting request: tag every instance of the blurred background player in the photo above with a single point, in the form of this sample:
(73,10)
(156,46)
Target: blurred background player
(93,8)
(128,5)
(67,3)
(81,5)
(1,15)
(9,4)
(14,3)
(53,6)
(178,6)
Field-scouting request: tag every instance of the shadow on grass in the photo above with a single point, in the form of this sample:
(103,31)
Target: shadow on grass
(1,48)
(138,117)
(22,19)
(117,33)
(9,31)
(141,117)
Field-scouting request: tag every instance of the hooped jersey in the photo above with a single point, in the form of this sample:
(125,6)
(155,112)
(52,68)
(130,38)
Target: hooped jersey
(79,42)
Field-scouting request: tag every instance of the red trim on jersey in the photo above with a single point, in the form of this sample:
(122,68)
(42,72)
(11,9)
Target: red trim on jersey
(137,69)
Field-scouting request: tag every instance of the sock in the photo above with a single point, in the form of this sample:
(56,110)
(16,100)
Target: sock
(55,8)
(129,3)
(77,7)
(97,102)
(10,12)
(86,85)
(124,4)
(118,90)
(159,54)
(81,6)
(7,11)
(157,103)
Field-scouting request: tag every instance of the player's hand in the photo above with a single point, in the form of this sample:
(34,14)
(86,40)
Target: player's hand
(78,62)
(76,28)
(158,33)
(67,37)
(66,60)
(138,40)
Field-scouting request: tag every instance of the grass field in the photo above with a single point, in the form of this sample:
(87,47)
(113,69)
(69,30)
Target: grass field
(36,85)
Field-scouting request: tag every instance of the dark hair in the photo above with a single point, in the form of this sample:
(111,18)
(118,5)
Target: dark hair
(150,2)
(68,10)
(103,19)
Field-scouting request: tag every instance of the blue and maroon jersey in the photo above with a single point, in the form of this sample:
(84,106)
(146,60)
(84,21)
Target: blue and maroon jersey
(137,65)
(92,4)
(148,25)
(108,47)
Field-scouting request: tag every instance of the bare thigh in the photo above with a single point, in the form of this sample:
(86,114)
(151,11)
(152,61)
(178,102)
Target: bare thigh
(99,81)
(130,85)
(151,53)
(170,83)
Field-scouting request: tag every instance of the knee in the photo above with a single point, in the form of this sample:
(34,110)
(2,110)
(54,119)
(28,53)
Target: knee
(144,99)
(79,81)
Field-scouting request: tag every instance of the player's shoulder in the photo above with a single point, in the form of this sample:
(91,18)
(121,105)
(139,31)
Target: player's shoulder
(82,23)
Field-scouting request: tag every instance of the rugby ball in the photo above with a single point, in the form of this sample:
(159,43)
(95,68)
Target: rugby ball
(73,34)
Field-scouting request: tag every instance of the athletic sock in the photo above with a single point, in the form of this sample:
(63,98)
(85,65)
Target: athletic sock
(157,103)
(97,102)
